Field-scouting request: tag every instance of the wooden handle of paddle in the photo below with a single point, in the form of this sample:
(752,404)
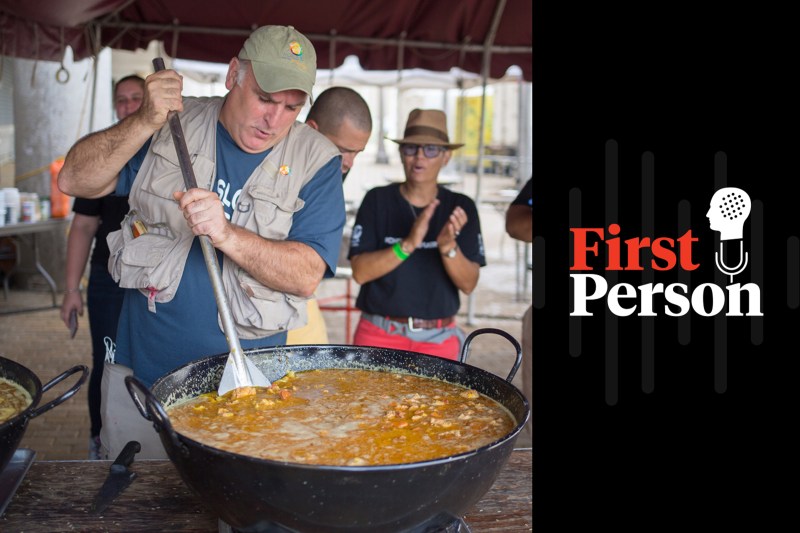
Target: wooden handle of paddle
(180,141)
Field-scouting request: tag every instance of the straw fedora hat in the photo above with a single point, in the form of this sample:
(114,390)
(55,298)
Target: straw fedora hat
(427,126)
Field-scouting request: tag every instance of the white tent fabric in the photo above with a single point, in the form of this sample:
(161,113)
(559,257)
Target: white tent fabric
(351,73)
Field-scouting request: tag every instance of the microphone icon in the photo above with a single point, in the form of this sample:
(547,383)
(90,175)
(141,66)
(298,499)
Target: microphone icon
(730,207)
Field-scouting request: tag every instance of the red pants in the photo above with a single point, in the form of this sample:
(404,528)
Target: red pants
(368,334)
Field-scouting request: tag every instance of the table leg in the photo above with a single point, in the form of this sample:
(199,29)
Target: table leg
(348,307)
(522,249)
(42,270)
(347,314)
(6,279)
(7,275)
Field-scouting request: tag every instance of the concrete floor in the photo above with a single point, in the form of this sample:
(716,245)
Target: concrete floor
(40,341)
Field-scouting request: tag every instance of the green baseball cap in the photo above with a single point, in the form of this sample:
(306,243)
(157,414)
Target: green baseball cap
(282,58)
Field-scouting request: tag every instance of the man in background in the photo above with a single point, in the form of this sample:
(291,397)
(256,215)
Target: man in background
(342,115)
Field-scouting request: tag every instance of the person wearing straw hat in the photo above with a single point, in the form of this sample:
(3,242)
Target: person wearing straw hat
(269,198)
(414,247)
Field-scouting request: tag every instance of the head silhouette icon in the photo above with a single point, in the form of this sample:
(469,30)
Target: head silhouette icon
(730,207)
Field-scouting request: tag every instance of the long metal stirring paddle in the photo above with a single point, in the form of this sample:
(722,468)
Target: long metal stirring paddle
(239,371)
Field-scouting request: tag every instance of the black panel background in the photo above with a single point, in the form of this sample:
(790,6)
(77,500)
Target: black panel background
(684,83)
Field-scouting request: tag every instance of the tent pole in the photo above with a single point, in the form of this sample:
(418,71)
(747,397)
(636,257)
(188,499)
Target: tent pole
(95,60)
(321,37)
(487,55)
(481,141)
(479,177)
(461,166)
(382,158)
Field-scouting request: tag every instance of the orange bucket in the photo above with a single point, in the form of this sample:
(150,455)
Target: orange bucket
(59,202)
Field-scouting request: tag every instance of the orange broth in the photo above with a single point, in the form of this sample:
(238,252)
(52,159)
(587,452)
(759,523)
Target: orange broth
(346,417)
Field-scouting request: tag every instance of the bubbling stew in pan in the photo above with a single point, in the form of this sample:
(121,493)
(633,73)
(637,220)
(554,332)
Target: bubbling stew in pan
(13,399)
(345,417)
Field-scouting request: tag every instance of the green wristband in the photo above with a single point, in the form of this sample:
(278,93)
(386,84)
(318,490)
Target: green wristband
(398,251)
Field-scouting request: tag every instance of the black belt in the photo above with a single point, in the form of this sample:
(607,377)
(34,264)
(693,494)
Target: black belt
(422,323)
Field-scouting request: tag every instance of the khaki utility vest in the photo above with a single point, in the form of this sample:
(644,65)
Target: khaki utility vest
(149,251)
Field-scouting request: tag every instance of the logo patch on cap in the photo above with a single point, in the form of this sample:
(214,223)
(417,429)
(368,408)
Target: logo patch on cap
(295,48)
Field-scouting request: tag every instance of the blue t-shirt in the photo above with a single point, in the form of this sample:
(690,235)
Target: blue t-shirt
(186,328)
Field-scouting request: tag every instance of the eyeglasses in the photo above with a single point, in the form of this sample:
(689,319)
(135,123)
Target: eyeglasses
(430,150)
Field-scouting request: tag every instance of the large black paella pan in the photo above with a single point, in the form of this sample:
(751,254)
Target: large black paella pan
(253,494)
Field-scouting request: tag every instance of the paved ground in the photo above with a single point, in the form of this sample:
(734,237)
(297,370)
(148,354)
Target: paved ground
(39,340)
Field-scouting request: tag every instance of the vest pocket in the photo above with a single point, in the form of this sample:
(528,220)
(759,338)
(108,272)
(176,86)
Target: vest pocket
(273,213)
(260,311)
(137,257)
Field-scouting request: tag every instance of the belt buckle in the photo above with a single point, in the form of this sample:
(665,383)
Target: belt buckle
(411,325)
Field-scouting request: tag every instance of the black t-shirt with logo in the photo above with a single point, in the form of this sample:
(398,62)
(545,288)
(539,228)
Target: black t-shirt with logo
(420,286)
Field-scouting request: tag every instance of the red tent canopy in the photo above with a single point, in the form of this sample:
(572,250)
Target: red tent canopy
(398,34)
